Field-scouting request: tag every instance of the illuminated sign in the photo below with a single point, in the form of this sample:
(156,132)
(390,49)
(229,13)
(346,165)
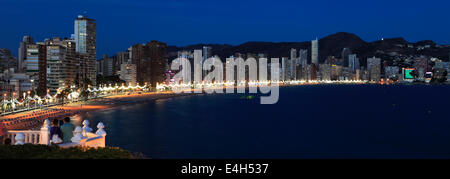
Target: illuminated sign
(407,73)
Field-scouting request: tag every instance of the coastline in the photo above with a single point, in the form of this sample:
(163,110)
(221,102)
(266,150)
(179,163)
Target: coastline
(34,119)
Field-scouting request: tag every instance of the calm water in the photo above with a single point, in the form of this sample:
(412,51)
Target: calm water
(327,121)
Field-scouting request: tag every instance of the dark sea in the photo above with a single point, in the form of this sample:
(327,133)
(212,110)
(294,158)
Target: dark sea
(308,122)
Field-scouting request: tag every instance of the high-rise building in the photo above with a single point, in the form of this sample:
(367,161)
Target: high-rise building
(37,66)
(207,53)
(336,72)
(187,73)
(7,61)
(158,61)
(85,35)
(345,57)
(315,52)
(312,69)
(303,57)
(325,72)
(61,64)
(108,66)
(86,44)
(285,69)
(128,73)
(302,72)
(142,62)
(353,62)
(55,57)
(374,69)
(121,58)
(151,62)
(100,66)
(33,55)
(293,65)
(27,40)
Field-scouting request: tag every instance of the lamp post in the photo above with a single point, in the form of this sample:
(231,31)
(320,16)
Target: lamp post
(29,94)
(4,99)
(12,101)
(23,101)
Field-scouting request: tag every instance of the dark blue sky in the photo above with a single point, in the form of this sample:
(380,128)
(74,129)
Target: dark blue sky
(181,22)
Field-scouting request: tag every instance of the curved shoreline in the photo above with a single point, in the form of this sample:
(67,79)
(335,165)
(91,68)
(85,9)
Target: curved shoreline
(72,109)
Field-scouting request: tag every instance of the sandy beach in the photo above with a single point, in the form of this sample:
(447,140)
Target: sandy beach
(34,119)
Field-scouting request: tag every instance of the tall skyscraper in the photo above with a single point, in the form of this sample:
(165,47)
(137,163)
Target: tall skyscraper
(285,69)
(108,66)
(315,52)
(86,44)
(158,61)
(138,57)
(303,57)
(27,40)
(207,53)
(293,74)
(353,62)
(374,69)
(303,60)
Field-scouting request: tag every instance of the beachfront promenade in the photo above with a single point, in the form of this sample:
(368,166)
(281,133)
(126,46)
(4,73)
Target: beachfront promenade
(83,136)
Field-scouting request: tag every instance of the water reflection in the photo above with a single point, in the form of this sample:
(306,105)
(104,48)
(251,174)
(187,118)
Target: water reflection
(308,122)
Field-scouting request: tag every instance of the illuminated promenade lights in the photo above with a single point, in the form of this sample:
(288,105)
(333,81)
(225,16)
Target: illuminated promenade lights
(243,83)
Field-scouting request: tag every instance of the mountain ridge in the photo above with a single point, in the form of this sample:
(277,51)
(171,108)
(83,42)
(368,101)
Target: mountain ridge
(332,45)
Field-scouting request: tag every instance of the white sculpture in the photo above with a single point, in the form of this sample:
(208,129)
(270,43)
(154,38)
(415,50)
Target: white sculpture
(78,136)
(86,127)
(20,139)
(100,130)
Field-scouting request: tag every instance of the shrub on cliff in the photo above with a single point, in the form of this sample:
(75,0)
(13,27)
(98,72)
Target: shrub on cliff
(29,151)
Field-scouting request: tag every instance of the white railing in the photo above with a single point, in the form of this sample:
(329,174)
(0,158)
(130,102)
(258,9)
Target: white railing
(29,137)
(83,136)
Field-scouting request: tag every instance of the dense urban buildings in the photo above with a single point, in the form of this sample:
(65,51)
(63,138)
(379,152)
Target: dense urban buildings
(58,63)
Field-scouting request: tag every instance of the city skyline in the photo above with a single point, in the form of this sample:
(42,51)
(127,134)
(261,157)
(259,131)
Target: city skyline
(138,27)
(199,79)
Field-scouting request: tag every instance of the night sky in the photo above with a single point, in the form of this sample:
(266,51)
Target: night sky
(181,22)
